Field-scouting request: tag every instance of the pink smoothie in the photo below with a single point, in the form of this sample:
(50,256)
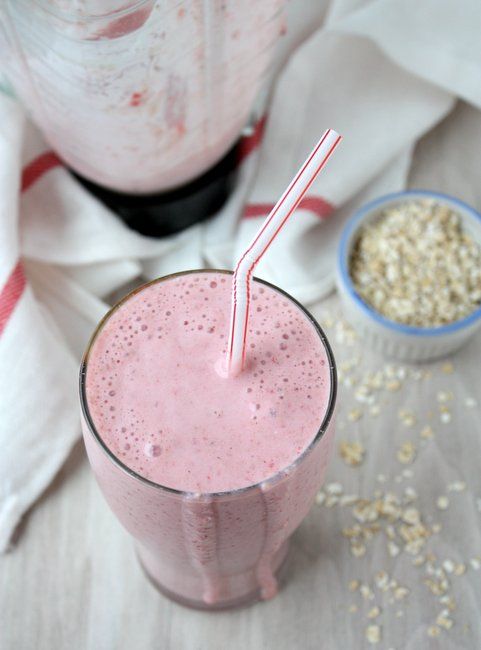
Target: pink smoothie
(159,405)
(140,96)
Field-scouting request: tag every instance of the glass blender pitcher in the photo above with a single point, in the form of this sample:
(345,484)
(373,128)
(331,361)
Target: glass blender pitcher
(143,100)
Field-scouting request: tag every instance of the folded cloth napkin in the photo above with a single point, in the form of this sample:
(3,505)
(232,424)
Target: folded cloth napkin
(383,73)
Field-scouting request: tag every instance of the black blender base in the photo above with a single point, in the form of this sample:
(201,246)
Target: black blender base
(166,213)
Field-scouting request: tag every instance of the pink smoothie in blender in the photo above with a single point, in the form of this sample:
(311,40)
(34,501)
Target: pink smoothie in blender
(144,96)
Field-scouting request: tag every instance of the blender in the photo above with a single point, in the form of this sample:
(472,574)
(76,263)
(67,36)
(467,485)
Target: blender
(143,100)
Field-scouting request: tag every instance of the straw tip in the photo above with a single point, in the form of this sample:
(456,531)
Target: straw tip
(235,367)
(333,133)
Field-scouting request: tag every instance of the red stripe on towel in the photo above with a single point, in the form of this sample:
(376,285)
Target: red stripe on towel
(315,204)
(16,282)
(250,142)
(38,167)
(11,293)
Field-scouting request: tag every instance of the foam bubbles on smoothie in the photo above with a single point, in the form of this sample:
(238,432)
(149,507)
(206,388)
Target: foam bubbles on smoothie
(152,450)
(158,394)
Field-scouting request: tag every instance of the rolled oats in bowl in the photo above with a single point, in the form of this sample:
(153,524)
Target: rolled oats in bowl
(409,273)
(416,265)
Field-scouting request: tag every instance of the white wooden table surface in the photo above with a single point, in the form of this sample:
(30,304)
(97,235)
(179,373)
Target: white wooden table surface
(72,580)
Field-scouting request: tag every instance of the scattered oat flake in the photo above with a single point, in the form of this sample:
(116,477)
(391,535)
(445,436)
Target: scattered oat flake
(345,333)
(442,503)
(390,532)
(457,486)
(358,550)
(407,417)
(460,569)
(445,417)
(382,580)
(334,489)
(320,498)
(353,532)
(390,371)
(410,494)
(355,415)
(348,499)
(438,588)
(448,566)
(449,602)
(444,396)
(399,613)
(434,631)
(366,592)
(436,528)
(352,453)
(401,592)
(406,453)
(411,516)
(427,432)
(393,549)
(363,394)
(470,402)
(373,634)
(374,410)
(365,511)
(348,364)
(331,501)
(475,563)
(447,368)
(374,612)
(393,385)
(445,622)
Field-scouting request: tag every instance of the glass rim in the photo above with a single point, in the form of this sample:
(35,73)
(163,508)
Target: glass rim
(271,480)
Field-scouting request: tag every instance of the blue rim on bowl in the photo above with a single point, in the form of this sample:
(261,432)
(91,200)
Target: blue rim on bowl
(343,260)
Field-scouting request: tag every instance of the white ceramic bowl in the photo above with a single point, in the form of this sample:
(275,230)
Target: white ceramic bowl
(393,339)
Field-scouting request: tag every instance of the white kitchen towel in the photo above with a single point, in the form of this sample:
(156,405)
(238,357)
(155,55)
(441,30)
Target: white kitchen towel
(381,72)
(37,425)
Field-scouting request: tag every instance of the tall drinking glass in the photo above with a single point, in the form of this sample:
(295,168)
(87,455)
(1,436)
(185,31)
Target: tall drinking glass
(207,549)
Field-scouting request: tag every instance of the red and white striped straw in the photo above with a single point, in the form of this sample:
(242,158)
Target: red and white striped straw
(278,216)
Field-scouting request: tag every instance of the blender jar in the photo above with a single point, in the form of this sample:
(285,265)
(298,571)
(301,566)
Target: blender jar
(139,97)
